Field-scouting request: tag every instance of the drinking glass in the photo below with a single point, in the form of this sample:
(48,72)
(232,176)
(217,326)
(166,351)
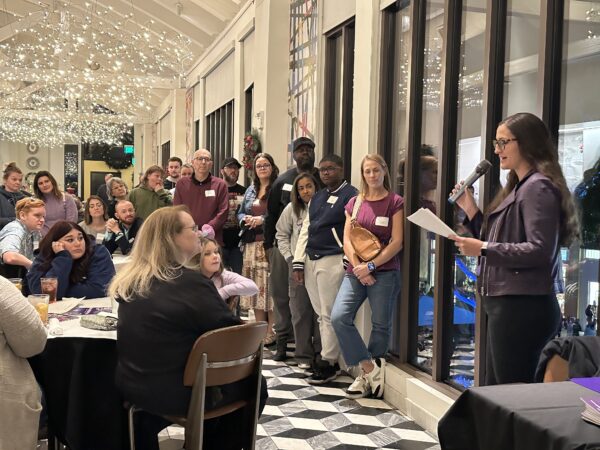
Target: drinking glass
(40,303)
(50,286)
(18,282)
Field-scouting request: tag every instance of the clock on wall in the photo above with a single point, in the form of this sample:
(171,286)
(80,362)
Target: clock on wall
(33,147)
(32,162)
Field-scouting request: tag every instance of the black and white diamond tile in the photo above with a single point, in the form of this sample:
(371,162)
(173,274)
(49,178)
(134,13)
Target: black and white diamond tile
(299,416)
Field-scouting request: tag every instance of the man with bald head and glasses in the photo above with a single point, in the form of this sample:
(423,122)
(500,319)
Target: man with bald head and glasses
(205,195)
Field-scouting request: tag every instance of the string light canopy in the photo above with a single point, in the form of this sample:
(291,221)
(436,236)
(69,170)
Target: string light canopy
(84,74)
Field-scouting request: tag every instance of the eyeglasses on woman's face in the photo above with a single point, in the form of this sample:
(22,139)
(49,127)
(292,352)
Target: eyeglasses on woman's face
(263,166)
(501,143)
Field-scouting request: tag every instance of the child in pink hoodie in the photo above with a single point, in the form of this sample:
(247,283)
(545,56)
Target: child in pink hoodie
(209,260)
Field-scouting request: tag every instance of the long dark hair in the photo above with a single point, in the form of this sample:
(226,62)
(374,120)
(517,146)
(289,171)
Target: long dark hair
(80,266)
(537,148)
(297,203)
(55,191)
(272,178)
(87,217)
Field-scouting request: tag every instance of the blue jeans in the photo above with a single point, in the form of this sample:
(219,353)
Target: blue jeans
(350,297)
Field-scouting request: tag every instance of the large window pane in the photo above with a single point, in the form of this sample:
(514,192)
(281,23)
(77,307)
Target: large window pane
(469,113)
(395,118)
(579,155)
(428,167)
(522,54)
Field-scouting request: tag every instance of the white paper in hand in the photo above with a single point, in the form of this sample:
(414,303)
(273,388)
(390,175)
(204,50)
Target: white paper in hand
(430,222)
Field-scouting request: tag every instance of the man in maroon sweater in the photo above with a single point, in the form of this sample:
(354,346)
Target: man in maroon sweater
(205,195)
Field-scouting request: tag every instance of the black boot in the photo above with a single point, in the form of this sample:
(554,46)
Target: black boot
(280,353)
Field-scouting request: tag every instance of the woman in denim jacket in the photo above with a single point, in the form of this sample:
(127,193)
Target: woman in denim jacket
(519,240)
(251,217)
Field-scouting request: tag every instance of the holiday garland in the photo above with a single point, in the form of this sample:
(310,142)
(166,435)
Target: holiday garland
(251,149)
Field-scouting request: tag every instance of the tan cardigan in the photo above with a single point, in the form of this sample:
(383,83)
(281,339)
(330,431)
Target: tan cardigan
(22,335)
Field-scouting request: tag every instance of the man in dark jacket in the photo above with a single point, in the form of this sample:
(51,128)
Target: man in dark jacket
(279,197)
(121,232)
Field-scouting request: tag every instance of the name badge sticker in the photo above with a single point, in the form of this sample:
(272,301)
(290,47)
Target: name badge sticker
(209,193)
(382,221)
(332,199)
(287,187)
(36,244)
(256,202)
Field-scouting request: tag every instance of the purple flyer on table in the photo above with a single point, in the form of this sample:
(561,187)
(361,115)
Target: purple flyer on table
(592,383)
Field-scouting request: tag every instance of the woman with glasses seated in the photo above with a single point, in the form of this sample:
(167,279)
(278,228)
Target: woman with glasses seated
(164,307)
(116,190)
(83,269)
(17,238)
(518,240)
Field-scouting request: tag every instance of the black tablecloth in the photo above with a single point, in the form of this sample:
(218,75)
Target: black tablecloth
(84,407)
(520,417)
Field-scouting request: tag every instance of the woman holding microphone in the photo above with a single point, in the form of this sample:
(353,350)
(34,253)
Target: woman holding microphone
(518,240)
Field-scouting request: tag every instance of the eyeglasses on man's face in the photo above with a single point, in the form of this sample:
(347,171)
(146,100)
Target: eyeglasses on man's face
(501,143)
(328,169)
(203,159)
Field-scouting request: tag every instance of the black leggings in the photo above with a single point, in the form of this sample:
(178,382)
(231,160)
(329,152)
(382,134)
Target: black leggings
(519,326)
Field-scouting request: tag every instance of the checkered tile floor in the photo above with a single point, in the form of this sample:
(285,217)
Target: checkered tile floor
(301,416)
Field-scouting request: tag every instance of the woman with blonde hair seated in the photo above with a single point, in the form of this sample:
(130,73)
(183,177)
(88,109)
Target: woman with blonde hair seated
(22,335)
(163,308)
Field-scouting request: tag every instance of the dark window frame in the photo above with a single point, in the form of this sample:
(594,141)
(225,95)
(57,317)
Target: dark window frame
(218,136)
(346,32)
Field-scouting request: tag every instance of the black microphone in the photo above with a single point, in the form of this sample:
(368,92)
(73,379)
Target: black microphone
(479,171)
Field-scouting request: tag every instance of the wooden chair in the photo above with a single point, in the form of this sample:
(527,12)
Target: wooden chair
(219,357)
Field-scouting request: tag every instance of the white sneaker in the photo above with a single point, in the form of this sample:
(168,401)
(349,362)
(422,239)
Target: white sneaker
(376,378)
(359,388)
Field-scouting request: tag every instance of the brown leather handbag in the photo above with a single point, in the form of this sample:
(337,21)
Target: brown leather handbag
(366,245)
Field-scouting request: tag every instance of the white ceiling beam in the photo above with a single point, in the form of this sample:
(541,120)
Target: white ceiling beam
(34,75)
(53,115)
(147,10)
(19,8)
(78,6)
(224,10)
(11,29)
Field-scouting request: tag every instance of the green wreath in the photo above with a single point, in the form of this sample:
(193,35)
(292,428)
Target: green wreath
(116,158)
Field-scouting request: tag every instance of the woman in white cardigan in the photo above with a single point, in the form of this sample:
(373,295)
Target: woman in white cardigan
(304,319)
(22,335)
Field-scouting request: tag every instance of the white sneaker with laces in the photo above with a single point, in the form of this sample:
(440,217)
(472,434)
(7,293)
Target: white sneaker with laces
(376,378)
(359,388)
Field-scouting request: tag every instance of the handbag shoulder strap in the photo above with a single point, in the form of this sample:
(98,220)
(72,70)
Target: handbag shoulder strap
(356,207)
